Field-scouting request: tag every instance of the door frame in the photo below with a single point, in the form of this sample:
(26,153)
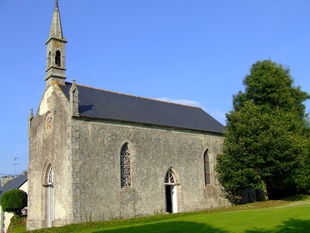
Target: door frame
(171,181)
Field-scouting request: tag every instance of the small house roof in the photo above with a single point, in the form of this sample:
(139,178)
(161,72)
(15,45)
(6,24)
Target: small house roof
(16,183)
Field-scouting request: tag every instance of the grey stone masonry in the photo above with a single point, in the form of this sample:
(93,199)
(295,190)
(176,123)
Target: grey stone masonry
(56,51)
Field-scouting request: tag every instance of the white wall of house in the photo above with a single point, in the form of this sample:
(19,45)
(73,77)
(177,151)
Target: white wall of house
(7,220)
(5,217)
(1,219)
(24,187)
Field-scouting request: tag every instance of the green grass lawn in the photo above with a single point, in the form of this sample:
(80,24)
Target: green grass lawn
(18,225)
(264,217)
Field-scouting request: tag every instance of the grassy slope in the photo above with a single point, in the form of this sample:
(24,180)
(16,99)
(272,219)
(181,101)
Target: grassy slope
(282,217)
(18,225)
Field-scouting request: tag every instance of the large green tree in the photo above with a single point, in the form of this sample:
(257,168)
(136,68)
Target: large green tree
(266,140)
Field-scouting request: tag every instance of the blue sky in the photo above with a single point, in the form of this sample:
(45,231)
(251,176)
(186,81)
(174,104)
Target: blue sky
(189,51)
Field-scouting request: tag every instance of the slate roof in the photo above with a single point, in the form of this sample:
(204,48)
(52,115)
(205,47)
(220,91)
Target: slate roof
(102,104)
(13,184)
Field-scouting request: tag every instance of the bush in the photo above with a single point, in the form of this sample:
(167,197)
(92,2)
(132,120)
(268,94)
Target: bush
(14,201)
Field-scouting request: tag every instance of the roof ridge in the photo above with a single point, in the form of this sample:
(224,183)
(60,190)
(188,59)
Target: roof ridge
(114,92)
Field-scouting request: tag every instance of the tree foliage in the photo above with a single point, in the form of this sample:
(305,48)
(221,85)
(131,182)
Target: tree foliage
(14,201)
(267,137)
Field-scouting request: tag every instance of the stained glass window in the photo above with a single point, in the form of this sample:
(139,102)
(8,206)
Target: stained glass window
(125,166)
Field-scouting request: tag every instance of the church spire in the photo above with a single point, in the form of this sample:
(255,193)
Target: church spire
(56,29)
(56,44)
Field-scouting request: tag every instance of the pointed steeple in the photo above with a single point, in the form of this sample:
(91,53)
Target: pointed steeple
(56,29)
(56,45)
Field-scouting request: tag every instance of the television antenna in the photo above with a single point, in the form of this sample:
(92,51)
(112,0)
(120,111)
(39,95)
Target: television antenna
(15,164)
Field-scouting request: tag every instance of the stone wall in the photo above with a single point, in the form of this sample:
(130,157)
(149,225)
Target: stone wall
(49,144)
(96,162)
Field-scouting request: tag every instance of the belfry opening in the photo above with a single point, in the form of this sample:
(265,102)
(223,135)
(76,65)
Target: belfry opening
(58,58)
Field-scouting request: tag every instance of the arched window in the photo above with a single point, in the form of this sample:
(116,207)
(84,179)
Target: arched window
(58,58)
(50,177)
(125,166)
(170,177)
(207,168)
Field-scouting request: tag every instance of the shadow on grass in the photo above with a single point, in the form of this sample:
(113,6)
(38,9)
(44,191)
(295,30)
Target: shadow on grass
(166,227)
(289,226)
(299,197)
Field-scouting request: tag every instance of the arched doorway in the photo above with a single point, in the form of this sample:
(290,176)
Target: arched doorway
(50,210)
(171,192)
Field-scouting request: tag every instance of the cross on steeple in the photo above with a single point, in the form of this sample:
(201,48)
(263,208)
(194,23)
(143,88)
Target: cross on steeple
(56,43)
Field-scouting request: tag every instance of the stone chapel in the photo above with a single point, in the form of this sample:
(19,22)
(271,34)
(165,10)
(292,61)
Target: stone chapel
(98,155)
